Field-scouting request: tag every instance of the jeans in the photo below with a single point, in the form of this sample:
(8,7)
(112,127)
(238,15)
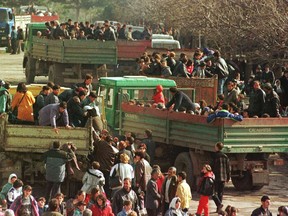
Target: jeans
(221,83)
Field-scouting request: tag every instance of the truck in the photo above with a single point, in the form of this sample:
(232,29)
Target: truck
(65,61)
(7,20)
(183,140)
(186,140)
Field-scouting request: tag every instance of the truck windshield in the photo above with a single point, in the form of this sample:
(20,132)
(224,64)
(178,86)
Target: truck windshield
(3,15)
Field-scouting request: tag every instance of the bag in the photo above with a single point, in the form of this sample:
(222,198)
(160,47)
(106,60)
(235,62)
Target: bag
(209,187)
(12,116)
(115,180)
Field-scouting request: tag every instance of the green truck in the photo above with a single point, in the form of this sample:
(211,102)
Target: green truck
(188,140)
(65,61)
(184,140)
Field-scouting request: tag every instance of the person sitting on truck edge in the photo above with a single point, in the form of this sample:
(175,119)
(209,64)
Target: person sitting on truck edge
(180,99)
(23,100)
(165,69)
(52,98)
(224,113)
(221,168)
(54,115)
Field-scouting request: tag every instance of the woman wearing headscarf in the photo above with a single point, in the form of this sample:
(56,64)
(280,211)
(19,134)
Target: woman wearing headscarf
(174,208)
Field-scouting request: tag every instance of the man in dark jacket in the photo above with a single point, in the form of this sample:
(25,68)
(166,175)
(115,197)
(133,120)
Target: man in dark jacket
(180,99)
(125,193)
(105,154)
(272,102)
(169,188)
(263,209)
(257,100)
(221,168)
(153,197)
(55,161)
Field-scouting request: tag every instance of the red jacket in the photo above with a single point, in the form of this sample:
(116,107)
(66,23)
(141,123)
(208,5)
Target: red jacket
(97,211)
(158,97)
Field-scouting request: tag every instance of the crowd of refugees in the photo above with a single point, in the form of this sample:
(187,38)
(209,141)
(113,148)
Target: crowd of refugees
(88,31)
(123,179)
(71,108)
(268,96)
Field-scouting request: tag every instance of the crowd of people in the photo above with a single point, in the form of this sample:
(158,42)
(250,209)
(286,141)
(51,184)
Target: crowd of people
(88,31)
(70,108)
(142,188)
(267,95)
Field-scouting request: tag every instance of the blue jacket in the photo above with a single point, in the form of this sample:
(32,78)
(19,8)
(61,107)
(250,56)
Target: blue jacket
(224,114)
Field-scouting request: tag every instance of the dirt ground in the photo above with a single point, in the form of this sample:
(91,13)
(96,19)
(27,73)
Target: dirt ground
(11,70)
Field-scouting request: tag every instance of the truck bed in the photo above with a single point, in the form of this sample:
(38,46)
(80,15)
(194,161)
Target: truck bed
(191,131)
(75,51)
(38,139)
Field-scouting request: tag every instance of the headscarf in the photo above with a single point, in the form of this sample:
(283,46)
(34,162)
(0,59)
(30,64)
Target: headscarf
(11,176)
(172,206)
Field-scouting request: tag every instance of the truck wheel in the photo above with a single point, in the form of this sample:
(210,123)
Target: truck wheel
(30,70)
(244,182)
(183,163)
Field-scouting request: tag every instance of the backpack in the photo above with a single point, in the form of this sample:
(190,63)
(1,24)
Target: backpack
(206,186)
(209,186)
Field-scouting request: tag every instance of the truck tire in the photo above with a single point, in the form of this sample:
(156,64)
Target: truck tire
(30,70)
(183,163)
(244,182)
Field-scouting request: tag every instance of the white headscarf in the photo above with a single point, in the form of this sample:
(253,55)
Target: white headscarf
(11,176)
(172,206)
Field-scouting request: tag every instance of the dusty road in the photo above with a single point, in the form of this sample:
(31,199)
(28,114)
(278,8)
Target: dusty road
(11,70)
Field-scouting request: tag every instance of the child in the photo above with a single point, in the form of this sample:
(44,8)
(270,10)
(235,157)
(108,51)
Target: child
(205,189)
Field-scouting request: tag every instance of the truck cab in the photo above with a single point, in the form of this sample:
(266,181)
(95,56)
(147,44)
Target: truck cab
(116,90)
(6,22)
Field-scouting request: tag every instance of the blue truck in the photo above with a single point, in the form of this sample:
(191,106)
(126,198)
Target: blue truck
(7,20)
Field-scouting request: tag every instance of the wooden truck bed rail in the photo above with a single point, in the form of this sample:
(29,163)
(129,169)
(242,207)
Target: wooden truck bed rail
(37,139)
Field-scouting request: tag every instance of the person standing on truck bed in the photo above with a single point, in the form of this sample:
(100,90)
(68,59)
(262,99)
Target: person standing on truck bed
(52,98)
(272,101)
(55,161)
(180,99)
(256,100)
(87,83)
(221,168)
(109,34)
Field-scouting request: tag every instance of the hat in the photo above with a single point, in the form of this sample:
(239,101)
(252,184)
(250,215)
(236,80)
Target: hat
(264,198)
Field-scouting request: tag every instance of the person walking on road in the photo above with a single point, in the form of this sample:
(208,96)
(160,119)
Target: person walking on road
(221,168)
(183,191)
(263,209)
